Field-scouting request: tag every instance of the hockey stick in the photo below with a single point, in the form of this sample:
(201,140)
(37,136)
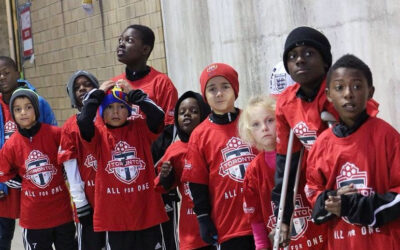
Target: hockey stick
(283,191)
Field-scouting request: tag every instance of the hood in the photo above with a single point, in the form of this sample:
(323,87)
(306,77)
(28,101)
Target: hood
(204,111)
(70,84)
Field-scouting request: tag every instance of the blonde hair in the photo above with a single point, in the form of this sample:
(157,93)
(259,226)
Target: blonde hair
(244,128)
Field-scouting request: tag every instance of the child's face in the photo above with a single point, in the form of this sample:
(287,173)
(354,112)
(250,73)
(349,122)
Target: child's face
(8,78)
(24,112)
(188,115)
(349,92)
(306,65)
(115,114)
(262,127)
(82,85)
(131,48)
(220,95)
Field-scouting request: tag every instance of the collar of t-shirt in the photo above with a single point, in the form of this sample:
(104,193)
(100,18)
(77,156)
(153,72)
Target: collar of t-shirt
(30,132)
(225,118)
(136,75)
(114,127)
(300,94)
(342,130)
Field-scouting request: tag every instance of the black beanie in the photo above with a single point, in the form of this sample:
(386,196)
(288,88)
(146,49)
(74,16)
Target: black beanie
(310,37)
(28,93)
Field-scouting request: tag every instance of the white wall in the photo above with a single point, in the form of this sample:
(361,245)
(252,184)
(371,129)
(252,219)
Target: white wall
(250,35)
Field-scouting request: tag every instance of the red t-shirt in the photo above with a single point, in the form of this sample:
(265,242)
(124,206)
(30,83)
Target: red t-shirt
(159,88)
(258,207)
(218,158)
(189,234)
(369,158)
(74,147)
(124,194)
(10,204)
(45,200)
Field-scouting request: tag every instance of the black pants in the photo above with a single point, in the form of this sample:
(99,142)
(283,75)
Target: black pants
(7,227)
(239,243)
(88,239)
(147,239)
(170,227)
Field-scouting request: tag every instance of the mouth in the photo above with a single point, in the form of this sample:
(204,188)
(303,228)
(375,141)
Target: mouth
(120,52)
(187,122)
(349,107)
(301,71)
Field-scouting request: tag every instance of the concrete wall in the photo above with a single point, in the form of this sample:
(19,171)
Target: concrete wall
(250,36)
(66,39)
(4,46)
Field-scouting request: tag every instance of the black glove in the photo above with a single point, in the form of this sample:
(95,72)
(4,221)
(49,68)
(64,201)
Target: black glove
(208,232)
(136,96)
(85,215)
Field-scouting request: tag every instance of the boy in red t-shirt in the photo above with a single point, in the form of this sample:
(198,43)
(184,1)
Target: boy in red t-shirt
(46,213)
(126,207)
(217,162)
(353,170)
(80,163)
(190,110)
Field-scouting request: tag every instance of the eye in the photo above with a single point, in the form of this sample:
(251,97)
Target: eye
(255,124)
(338,87)
(291,56)
(271,120)
(29,107)
(308,53)
(194,111)
(17,109)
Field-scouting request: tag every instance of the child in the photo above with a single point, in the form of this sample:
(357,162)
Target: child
(46,213)
(134,48)
(217,161)
(190,110)
(80,163)
(10,191)
(257,127)
(353,175)
(126,207)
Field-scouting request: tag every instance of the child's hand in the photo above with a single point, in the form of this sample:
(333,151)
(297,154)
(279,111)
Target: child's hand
(284,237)
(333,205)
(165,169)
(105,86)
(124,85)
(347,190)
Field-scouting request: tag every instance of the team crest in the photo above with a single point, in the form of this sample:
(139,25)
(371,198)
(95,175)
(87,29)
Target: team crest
(301,218)
(306,136)
(236,155)
(9,128)
(135,113)
(38,169)
(91,162)
(124,164)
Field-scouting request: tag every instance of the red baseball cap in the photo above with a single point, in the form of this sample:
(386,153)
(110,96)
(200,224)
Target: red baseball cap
(219,69)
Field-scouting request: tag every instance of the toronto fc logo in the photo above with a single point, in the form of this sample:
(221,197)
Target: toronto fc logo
(351,174)
(301,218)
(237,155)
(9,128)
(91,162)
(39,170)
(124,164)
(306,136)
(135,113)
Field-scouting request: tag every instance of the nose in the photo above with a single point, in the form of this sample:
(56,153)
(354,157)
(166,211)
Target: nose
(348,92)
(265,126)
(299,59)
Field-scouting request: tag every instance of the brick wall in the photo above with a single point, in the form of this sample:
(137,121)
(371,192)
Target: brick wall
(67,39)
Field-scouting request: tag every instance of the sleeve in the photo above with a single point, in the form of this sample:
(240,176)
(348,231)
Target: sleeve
(154,114)
(86,118)
(67,145)
(160,145)
(169,182)
(252,206)
(76,185)
(168,100)
(7,170)
(46,113)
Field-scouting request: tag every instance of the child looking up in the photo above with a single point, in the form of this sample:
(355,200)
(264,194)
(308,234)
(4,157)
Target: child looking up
(257,127)
(126,207)
(189,112)
(80,163)
(46,213)
(217,162)
(353,173)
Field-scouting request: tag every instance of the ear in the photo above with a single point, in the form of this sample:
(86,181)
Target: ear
(371,91)
(328,95)
(146,50)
